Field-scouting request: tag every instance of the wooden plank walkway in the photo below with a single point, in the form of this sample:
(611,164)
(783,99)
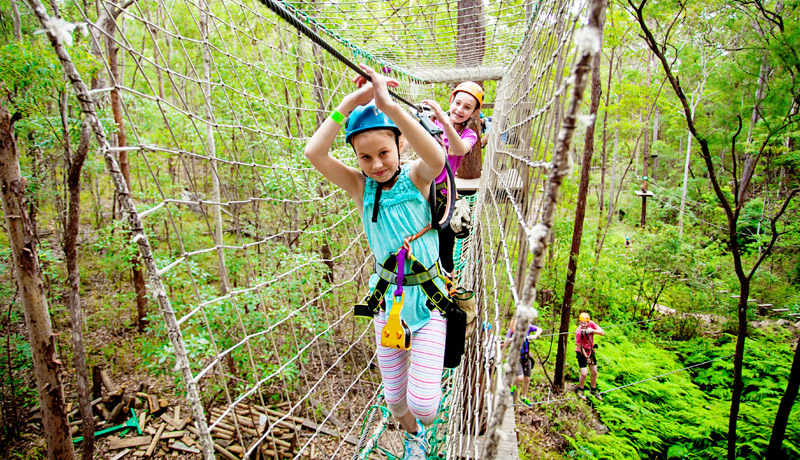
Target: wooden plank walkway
(507,450)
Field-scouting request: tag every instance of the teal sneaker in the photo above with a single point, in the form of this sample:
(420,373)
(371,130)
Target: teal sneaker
(415,445)
(527,402)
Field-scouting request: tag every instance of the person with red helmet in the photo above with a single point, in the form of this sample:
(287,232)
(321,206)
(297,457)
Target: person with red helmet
(461,127)
(585,352)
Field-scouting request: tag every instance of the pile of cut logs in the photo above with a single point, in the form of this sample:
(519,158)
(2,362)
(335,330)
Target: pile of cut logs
(156,429)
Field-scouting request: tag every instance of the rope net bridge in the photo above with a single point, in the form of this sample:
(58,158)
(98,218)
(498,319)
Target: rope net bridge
(254,260)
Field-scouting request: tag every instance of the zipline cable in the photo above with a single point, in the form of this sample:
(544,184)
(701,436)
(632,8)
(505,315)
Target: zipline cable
(292,19)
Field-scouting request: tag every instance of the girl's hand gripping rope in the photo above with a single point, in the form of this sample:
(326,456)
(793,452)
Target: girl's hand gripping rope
(376,87)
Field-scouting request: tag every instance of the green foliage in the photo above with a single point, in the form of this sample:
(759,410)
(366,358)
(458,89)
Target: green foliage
(685,414)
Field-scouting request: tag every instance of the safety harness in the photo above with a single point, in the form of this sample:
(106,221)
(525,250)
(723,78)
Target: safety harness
(396,333)
(591,358)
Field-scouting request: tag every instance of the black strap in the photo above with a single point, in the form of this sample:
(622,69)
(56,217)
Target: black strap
(439,224)
(377,203)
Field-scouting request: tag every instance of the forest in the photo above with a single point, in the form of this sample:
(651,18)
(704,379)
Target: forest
(168,251)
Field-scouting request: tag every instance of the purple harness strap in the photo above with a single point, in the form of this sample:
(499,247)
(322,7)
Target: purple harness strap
(401,268)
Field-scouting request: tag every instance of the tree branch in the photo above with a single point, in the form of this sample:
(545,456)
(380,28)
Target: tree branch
(734,172)
(773,224)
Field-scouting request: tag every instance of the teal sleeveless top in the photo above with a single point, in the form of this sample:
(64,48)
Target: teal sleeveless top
(403,212)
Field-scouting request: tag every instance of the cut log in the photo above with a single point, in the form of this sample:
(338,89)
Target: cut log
(142,420)
(80,422)
(328,414)
(121,454)
(181,447)
(77,411)
(121,410)
(116,443)
(103,411)
(225,452)
(169,421)
(220,432)
(152,447)
(110,387)
(97,382)
(189,441)
(152,401)
(173,434)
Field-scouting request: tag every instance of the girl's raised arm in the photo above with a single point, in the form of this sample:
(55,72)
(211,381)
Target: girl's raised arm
(458,146)
(318,148)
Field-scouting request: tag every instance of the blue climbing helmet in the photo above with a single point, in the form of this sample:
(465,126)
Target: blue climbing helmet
(366,117)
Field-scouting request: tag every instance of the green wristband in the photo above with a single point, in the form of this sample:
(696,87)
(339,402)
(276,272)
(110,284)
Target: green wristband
(337,117)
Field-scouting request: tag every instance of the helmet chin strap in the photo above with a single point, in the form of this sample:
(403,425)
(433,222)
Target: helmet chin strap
(376,205)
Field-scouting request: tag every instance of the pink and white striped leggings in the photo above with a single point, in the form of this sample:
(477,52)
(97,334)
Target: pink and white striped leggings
(412,379)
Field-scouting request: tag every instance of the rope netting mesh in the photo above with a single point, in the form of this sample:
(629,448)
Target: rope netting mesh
(254,259)
(438,41)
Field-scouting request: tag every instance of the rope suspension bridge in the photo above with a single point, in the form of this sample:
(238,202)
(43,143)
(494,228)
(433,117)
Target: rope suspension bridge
(255,261)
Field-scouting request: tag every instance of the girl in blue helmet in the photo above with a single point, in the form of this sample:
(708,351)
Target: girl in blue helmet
(392,201)
(460,126)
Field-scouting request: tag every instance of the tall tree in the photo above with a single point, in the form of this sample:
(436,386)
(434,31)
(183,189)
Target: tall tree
(108,19)
(46,365)
(580,214)
(732,198)
(224,285)
(785,408)
(75,161)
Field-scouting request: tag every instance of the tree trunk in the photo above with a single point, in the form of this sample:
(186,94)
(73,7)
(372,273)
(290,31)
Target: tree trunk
(212,153)
(124,166)
(580,214)
(685,179)
(471,33)
(613,181)
(17,21)
(604,140)
(738,362)
(598,245)
(654,156)
(46,366)
(646,146)
(72,229)
(784,409)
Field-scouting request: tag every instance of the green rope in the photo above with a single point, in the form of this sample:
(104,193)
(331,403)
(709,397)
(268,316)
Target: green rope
(436,433)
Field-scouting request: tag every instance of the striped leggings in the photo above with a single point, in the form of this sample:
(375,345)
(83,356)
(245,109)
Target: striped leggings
(412,379)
